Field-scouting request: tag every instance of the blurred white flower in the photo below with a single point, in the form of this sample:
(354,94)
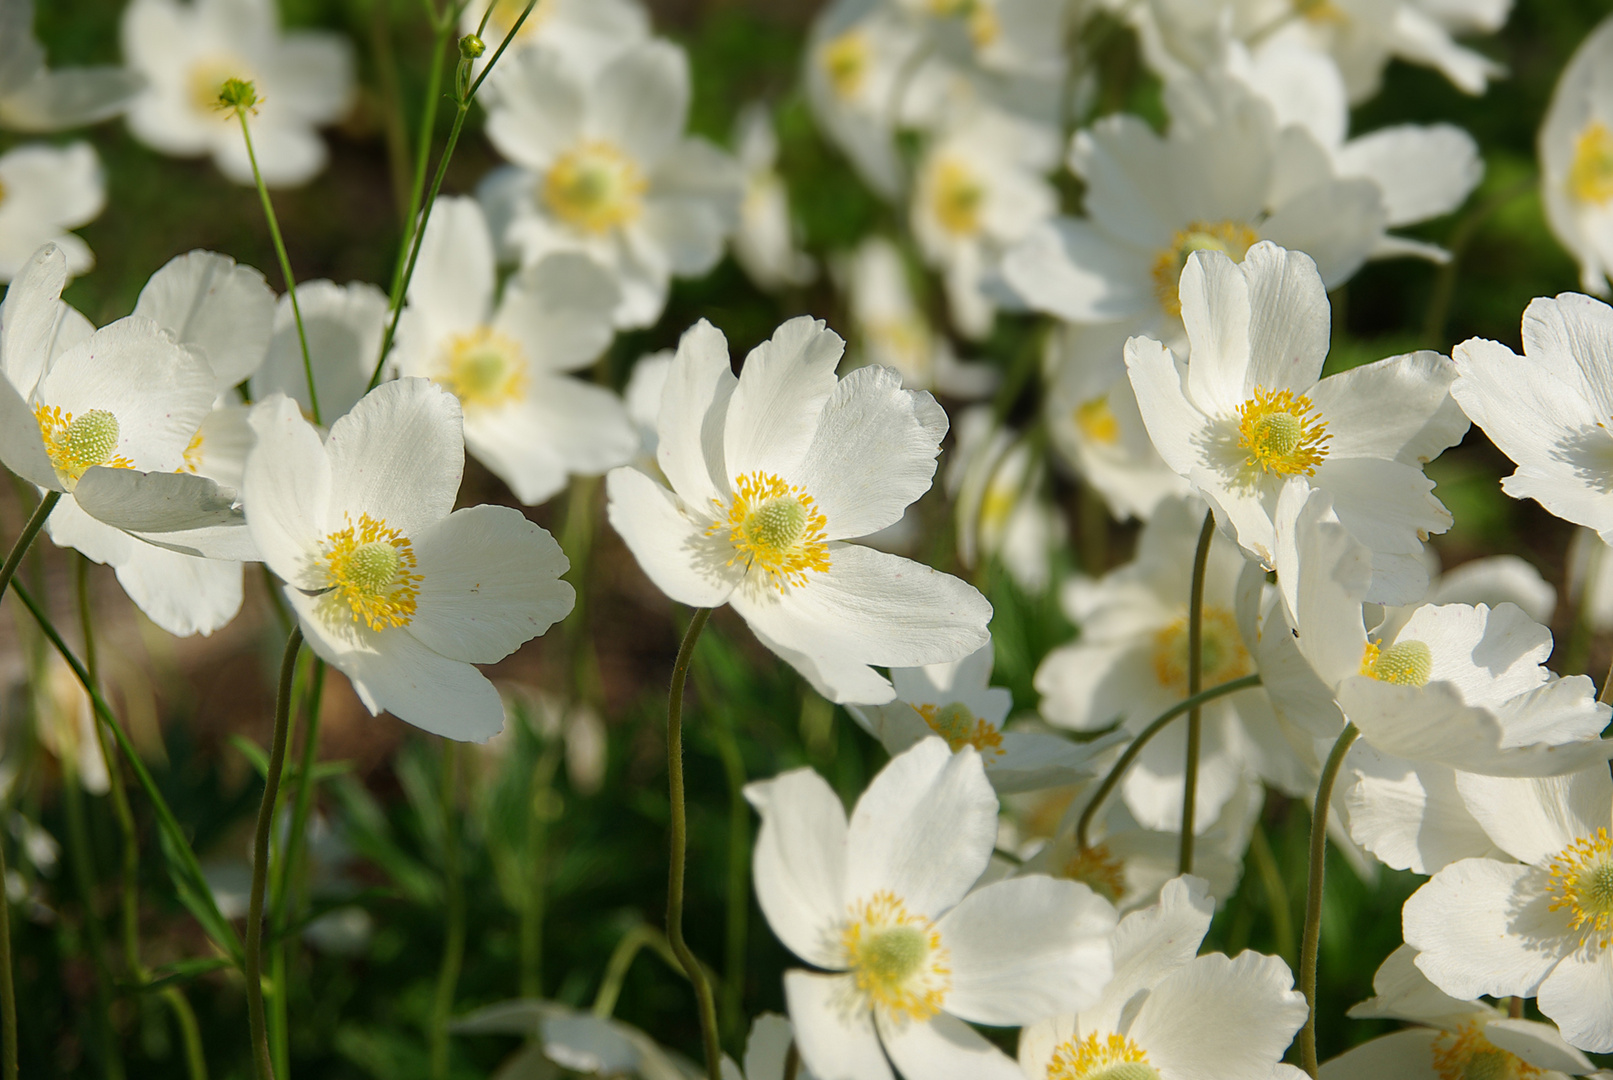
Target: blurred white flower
(185,52)
(765,243)
(767,1051)
(1576,159)
(576,1041)
(44,192)
(344,325)
(587,33)
(1590,579)
(1000,505)
(643,400)
(35,98)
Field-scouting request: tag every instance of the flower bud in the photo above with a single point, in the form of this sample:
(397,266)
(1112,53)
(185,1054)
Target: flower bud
(471,46)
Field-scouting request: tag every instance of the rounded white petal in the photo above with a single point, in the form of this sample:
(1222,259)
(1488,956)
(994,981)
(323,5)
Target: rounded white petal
(1541,1045)
(1221,1017)
(1482,927)
(206,300)
(783,388)
(833,1028)
(671,547)
(1578,994)
(642,100)
(799,867)
(1403,1055)
(453,278)
(1534,819)
(693,416)
(944,1048)
(287,489)
(398,455)
(181,593)
(560,310)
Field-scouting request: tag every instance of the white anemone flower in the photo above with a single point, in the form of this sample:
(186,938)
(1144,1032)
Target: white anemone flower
(997,485)
(1169,1013)
(955,702)
(908,953)
(186,50)
(344,325)
(577,1041)
(1549,409)
(1539,927)
(44,192)
(767,1051)
(1576,159)
(1251,414)
(390,584)
(771,473)
(526,418)
(642,397)
(1454,1038)
(35,98)
(1590,579)
(602,166)
(588,33)
(765,242)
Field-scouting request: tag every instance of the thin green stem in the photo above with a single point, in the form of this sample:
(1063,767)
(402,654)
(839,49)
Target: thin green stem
(396,127)
(1117,772)
(422,160)
(1607,684)
(1313,895)
(78,835)
(285,264)
(190,1034)
(36,521)
(453,953)
(1195,682)
(534,897)
(738,900)
(1276,889)
(679,848)
(260,859)
(621,958)
(283,894)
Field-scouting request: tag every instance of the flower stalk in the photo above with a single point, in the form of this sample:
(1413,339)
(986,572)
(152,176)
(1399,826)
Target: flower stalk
(1195,680)
(1312,934)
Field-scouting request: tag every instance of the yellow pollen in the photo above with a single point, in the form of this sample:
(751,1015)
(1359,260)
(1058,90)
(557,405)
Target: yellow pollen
(845,61)
(1405,663)
(193,455)
(77,445)
(960,727)
(984,27)
(955,197)
(1221,651)
(1097,869)
(372,569)
(505,12)
(896,958)
(1582,882)
(484,367)
(1283,435)
(774,527)
(1590,176)
(1320,11)
(1466,1054)
(206,82)
(1111,1057)
(1097,422)
(1231,238)
(595,187)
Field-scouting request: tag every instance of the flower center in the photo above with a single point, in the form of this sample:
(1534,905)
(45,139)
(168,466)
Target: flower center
(897,958)
(960,727)
(193,455)
(78,444)
(1466,1054)
(505,12)
(595,187)
(845,61)
(1112,1057)
(1590,176)
(1282,434)
(1582,882)
(775,527)
(1231,238)
(1097,869)
(371,568)
(1221,650)
(207,78)
(1405,663)
(956,195)
(1320,11)
(484,367)
(1097,422)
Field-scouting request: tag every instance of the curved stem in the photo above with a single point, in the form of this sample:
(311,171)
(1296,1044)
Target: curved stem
(1313,895)
(1118,770)
(260,860)
(679,845)
(36,521)
(1195,680)
(453,952)
(621,958)
(189,1033)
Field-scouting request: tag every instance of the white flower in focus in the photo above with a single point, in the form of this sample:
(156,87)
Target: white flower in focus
(602,166)
(526,418)
(1170,1013)
(389,586)
(883,906)
(344,325)
(588,33)
(1457,1038)
(765,243)
(44,192)
(770,474)
(35,98)
(1540,927)
(1251,414)
(997,485)
(1576,159)
(186,51)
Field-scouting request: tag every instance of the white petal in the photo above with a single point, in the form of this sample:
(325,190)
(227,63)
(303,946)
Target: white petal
(1151,943)
(1402,992)
(1402,1055)
(206,300)
(1289,319)
(1400,408)
(180,511)
(344,326)
(560,310)
(398,456)
(1068,268)
(453,277)
(799,866)
(1409,814)
(287,490)
(1172,420)
(181,593)
(1484,927)
(1422,171)
(1220,1017)
(1541,1045)
(70,526)
(671,548)
(22,449)
(945,1049)
(783,387)
(1216,312)
(562,426)
(32,317)
(642,100)
(833,1028)
(1578,994)
(693,416)
(1534,819)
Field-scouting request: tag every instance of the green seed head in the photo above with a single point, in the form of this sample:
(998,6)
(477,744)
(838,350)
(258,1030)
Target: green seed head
(471,46)
(92,437)
(372,566)
(777,524)
(896,954)
(1405,663)
(1276,435)
(954,721)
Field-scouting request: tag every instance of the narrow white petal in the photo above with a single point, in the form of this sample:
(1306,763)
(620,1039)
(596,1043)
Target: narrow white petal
(1578,994)
(783,387)
(398,456)
(671,547)
(287,490)
(693,415)
(799,867)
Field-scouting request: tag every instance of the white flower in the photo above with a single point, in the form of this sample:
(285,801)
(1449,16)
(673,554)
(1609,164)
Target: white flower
(1460,1038)
(45,191)
(770,473)
(602,166)
(526,419)
(996,484)
(765,243)
(883,905)
(186,51)
(1169,1013)
(588,33)
(577,1041)
(1538,927)
(1576,159)
(35,98)
(1251,414)
(344,325)
(766,1051)
(642,397)
(955,702)
(389,587)
(1590,579)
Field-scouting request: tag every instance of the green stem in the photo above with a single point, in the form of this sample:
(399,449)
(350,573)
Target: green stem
(1195,681)
(282,895)
(679,848)
(537,862)
(84,876)
(1313,895)
(189,1033)
(260,860)
(1277,902)
(396,128)
(1117,771)
(285,265)
(738,902)
(621,958)
(36,521)
(453,953)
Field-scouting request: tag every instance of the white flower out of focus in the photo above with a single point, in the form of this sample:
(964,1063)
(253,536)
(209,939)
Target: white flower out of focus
(390,584)
(588,33)
(344,325)
(35,98)
(1576,159)
(44,192)
(883,905)
(771,473)
(1000,504)
(526,418)
(1251,414)
(602,167)
(186,51)
(765,243)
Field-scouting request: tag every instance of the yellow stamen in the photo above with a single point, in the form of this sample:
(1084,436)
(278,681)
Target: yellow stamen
(955,196)
(960,727)
(1582,882)
(1231,238)
(1100,871)
(1405,663)
(774,527)
(205,82)
(484,367)
(372,569)
(896,958)
(1466,1054)
(193,455)
(1221,650)
(76,445)
(1097,421)
(1283,435)
(1321,11)
(845,61)
(1590,177)
(1110,1057)
(505,12)
(595,187)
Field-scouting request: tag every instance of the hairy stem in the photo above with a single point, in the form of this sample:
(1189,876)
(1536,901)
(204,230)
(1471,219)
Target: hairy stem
(621,958)
(1313,895)
(1195,680)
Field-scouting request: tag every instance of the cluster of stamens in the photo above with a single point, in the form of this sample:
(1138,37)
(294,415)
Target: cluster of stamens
(484,367)
(775,528)
(371,568)
(956,196)
(1282,433)
(960,727)
(1231,238)
(1582,883)
(896,958)
(1405,663)
(1465,1054)
(845,62)
(76,444)
(1107,1057)
(1221,652)
(1590,176)
(595,187)
(1097,869)
(1097,421)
